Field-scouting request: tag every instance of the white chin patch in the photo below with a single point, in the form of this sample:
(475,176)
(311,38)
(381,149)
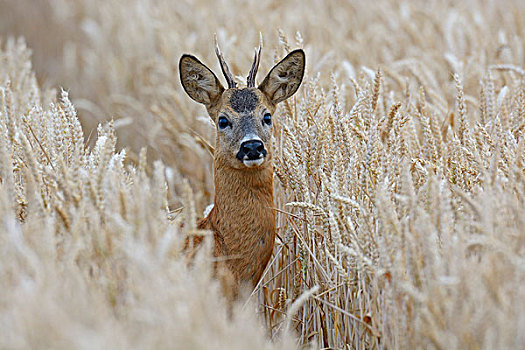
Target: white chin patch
(253,163)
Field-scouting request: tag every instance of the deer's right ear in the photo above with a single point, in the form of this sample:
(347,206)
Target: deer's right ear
(198,81)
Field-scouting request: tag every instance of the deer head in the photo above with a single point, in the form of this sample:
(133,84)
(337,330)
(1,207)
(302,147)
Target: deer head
(243,116)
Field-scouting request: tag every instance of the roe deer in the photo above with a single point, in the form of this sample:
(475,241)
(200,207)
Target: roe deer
(242,218)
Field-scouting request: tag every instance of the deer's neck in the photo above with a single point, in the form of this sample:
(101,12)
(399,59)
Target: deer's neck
(244,220)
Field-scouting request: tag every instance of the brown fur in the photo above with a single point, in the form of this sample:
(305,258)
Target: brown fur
(242,219)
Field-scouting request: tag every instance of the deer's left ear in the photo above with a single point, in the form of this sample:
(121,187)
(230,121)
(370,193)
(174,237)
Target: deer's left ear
(285,77)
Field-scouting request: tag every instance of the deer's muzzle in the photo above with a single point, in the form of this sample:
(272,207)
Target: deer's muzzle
(252,153)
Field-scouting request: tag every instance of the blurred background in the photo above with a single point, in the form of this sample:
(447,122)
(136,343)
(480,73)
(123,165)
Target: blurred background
(118,58)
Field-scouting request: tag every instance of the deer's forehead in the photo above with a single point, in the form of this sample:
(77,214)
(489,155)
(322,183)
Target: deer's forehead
(243,100)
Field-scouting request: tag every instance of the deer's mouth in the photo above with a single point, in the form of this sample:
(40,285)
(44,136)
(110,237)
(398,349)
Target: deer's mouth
(250,163)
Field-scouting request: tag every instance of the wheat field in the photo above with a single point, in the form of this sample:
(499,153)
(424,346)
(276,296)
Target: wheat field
(399,175)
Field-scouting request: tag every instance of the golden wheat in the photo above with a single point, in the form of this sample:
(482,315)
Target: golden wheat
(400,167)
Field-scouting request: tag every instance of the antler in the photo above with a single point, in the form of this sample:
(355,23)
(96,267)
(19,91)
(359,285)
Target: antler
(224,66)
(255,65)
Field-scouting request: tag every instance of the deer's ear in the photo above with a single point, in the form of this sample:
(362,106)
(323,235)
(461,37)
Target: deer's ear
(198,81)
(285,77)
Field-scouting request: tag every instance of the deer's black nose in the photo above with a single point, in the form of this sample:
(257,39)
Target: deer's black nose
(251,150)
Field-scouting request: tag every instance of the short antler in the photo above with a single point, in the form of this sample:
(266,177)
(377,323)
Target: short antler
(224,66)
(255,65)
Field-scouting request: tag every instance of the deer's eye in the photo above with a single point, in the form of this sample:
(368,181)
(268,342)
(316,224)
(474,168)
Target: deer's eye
(267,119)
(223,122)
